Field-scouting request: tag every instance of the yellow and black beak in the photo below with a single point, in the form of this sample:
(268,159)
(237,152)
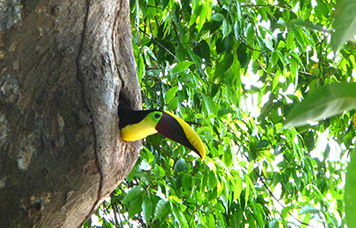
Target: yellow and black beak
(173,127)
(136,125)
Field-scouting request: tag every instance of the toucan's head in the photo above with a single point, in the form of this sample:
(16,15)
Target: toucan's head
(136,125)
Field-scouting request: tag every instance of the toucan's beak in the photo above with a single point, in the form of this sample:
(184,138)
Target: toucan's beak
(173,127)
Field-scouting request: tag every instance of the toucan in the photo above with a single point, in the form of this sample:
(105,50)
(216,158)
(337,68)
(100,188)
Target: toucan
(138,124)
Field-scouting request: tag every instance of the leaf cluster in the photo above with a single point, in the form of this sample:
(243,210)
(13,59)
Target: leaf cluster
(234,70)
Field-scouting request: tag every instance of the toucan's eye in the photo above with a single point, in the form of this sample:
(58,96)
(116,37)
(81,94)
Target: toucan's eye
(157,116)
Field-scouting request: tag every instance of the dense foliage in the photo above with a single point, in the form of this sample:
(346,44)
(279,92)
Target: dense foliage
(234,70)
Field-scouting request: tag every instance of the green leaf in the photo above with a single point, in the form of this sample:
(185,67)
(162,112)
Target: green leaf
(179,216)
(146,208)
(214,90)
(350,196)
(251,221)
(227,158)
(173,104)
(274,223)
(162,208)
(205,51)
(229,43)
(180,166)
(250,167)
(298,37)
(237,188)
(170,94)
(158,171)
(285,211)
(250,34)
(223,65)
(181,66)
(212,180)
(306,24)
(134,193)
(174,199)
(217,17)
(324,102)
(242,55)
(226,28)
(164,3)
(140,68)
(308,209)
(290,40)
(262,143)
(344,23)
(224,111)
(187,182)
(135,207)
(148,155)
(274,59)
(219,45)
(236,29)
(179,180)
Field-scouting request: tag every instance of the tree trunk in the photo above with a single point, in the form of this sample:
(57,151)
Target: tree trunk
(63,65)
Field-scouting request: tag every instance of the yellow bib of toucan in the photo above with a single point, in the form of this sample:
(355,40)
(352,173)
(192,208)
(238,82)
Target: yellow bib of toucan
(141,129)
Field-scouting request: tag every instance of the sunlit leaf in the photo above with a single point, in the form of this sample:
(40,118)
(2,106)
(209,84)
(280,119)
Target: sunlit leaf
(324,102)
(171,93)
(306,24)
(350,196)
(308,210)
(344,23)
(182,66)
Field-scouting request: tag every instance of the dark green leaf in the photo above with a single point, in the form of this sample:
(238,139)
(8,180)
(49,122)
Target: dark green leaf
(262,143)
(187,182)
(162,208)
(135,207)
(224,65)
(212,180)
(180,166)
(134,193)
(217,17)
(146,208)
(214,90)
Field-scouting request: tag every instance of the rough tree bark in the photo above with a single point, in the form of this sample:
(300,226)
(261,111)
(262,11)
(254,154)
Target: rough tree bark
(63,65)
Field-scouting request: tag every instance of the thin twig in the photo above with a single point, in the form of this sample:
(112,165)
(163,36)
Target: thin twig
(270,192)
